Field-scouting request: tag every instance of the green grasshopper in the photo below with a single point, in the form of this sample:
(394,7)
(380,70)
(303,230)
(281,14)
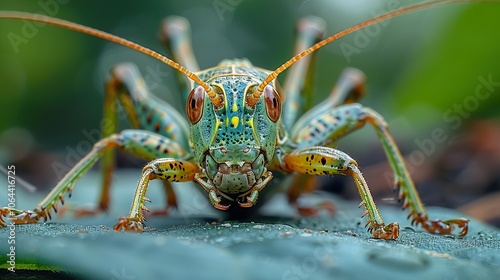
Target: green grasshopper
(241,130)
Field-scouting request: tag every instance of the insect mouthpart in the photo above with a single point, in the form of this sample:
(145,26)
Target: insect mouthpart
(233,172)
(234,180)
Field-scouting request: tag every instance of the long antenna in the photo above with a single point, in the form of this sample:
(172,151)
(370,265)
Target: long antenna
(104,35)
(257,93)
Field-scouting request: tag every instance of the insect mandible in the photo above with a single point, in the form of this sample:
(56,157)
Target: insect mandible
(241,130)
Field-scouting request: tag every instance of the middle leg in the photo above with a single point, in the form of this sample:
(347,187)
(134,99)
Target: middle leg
(144,111)
(328,126)
(328,161)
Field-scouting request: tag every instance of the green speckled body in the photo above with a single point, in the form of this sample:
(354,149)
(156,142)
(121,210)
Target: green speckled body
(234,134)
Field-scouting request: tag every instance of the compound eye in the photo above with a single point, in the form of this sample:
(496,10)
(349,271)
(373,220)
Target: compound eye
(273,103)
(194,106)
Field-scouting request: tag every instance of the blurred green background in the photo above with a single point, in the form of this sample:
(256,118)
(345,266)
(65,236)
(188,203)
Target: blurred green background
(419,66)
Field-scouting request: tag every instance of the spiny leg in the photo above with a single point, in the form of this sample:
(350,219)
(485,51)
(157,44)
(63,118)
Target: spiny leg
(328,126)
(297,87)
(140,143)
(168,169)
(328,161)
(349,88)
(404,184)
(144,111)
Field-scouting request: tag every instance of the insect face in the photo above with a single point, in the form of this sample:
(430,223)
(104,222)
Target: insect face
(234,141)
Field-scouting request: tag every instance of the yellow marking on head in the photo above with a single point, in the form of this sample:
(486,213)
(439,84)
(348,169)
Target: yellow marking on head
(214,134)
(254,133)
(235,121)
(234,108)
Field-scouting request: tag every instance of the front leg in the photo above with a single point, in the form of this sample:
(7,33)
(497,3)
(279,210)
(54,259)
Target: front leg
(328,161)
(167,169)
(140,143)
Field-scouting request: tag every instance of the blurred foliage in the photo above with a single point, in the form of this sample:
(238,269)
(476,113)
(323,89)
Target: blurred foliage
(418,65)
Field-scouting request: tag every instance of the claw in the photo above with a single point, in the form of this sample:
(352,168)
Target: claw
(250,200)
(381,231)
(441,227)
(4,212)
(22,217)
(447,227)
(247,204)
(129,224)
(215,200)
(220,206)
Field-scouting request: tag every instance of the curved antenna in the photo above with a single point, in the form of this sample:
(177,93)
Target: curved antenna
(107,36)
(257,93)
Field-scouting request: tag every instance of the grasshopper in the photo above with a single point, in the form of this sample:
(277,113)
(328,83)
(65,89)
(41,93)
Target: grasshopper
(242,129)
